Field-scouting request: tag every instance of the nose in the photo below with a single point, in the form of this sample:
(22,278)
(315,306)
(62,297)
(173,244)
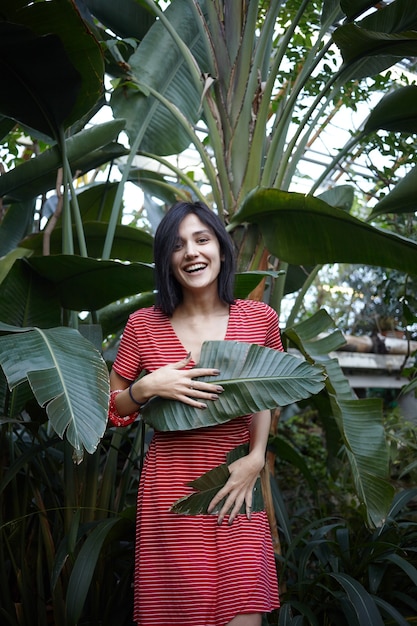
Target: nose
(190,250)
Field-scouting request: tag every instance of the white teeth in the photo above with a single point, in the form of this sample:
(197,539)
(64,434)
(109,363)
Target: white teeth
(194,268)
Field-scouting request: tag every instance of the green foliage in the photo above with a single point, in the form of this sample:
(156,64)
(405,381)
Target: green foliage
(56,378)
(365,300)
(402,442)
(333,570)
(61,524)
(250,102)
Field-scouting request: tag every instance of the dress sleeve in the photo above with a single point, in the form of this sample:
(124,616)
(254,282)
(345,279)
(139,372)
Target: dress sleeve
(128,361)
(128,365)
(273,335)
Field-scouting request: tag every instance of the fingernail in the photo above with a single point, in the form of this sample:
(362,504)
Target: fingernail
(188,355)
(203,406)
(214,397)
(219,389)
(216,372)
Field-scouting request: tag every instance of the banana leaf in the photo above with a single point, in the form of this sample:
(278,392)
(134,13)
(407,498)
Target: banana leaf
(359,421)
(38,175)
(130,244)
(402,199)
(32,72)
(253,377)
(210,483)
(304,230)
(67,376)
(90,284)
(396,112)
(158,63)
(23,298)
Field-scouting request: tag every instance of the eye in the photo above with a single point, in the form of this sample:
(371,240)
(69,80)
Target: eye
(202,240)
(178,245)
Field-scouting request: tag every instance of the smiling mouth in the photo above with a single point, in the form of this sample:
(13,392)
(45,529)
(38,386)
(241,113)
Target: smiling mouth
(195,268)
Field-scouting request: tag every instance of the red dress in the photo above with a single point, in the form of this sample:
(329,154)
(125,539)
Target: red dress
(189,571)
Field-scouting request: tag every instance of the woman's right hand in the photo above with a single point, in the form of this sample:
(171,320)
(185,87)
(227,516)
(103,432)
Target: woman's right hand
(174,382)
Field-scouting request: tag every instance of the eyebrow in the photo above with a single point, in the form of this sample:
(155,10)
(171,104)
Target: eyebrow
(199,232)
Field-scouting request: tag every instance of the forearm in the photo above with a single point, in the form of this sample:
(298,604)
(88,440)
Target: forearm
(259,433)
(125,400)
(130,398)
(174,381)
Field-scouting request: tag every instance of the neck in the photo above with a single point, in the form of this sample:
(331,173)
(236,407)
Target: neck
(201,307)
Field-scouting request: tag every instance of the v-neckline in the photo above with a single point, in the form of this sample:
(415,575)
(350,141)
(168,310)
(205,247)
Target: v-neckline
(193,363)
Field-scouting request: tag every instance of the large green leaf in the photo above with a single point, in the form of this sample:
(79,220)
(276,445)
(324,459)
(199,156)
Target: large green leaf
(33,81)
(207,486)
(28,300)
(67,376)
(364,436)
(402,199)
(245,282)
(113,318)
(130,244)
(39,174)
(379,40)
(359,420)
(153,184)
(6,262)
(353,8)
(399,16)
(341,197)
(22,81)
(126,18)
(157,63)
(253,377)
(302,229)
(397,111)
(15,225)
(90,284)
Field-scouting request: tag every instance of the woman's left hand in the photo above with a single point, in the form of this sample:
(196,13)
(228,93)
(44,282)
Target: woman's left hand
(239,487)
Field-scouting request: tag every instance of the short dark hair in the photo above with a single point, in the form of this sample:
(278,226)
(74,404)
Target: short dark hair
(169,292)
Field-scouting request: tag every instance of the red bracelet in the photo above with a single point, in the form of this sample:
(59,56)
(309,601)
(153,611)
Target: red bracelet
(114,416)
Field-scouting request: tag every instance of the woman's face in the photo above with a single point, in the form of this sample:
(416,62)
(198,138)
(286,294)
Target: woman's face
(196,259)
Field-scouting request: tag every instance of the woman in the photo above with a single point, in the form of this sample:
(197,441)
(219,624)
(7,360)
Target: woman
(196,570)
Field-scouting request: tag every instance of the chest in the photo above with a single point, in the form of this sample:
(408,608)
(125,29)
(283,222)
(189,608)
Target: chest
(193,333)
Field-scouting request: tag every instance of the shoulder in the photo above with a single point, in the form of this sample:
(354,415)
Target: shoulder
(146,315)
(255,322)
(254,307)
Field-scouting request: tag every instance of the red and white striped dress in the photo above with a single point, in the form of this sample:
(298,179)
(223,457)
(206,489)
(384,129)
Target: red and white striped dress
(189,571)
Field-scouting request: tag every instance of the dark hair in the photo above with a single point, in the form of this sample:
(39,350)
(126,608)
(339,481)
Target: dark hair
(169,292)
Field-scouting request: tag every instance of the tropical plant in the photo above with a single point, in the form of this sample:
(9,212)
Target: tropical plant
(247,84)
(337,571)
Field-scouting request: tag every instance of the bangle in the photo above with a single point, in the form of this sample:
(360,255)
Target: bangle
(132,398)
